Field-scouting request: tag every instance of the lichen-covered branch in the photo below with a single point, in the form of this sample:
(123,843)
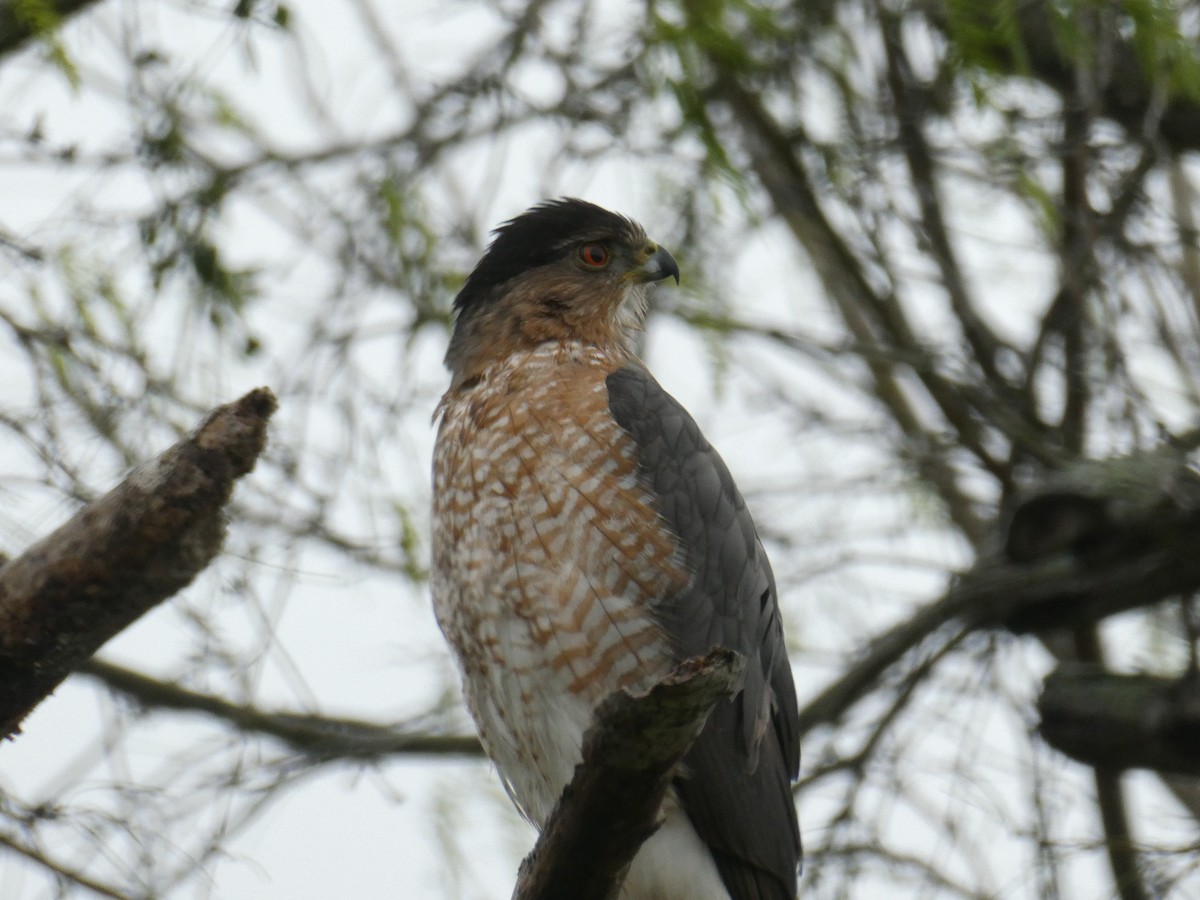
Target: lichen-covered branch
(1121,722)
(121,555)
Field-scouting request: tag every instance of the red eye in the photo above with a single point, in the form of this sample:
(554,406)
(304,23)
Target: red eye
(594,256)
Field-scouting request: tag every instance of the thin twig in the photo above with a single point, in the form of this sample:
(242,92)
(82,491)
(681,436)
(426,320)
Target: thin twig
(320,737)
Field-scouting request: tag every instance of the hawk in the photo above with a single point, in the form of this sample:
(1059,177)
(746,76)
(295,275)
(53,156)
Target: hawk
(587,538)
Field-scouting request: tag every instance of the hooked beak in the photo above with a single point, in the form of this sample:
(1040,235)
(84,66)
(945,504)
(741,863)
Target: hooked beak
(660,265)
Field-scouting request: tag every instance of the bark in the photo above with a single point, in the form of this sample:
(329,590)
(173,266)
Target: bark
(1123,722)
(121,555)
(1123,532)
(613,803)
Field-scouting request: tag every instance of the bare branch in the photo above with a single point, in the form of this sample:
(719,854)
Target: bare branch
(873,320)
(121,555)
(1118,839)
(60,870)
(320,737)
(910,119)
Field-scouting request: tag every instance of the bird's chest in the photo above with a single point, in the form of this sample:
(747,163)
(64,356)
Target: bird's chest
(549,557)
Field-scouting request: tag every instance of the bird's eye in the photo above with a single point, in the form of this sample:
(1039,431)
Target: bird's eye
(594,256)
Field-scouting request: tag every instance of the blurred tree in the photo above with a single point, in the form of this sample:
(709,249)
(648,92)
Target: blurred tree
(944,253)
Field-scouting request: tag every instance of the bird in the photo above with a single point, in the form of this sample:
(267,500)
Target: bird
(587,538)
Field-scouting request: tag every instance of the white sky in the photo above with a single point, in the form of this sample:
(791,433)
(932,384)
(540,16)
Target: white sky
(371,649)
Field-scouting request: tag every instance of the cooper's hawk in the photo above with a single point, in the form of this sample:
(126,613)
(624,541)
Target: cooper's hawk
(587,538)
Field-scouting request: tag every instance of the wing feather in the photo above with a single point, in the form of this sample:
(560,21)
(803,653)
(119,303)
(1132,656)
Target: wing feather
(736,787)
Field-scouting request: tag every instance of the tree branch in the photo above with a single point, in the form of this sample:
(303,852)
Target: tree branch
(1025,598)
(1095,539)
(910,109)
(19,22)
(613,803)
(875,321)
(61,871)
(121,555)
(319,737)
(1119,722)
(1118,838)
(1037,52)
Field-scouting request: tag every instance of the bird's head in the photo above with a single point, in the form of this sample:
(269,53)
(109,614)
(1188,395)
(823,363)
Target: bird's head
(564,270)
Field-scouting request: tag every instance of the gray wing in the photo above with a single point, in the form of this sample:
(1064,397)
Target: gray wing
(736,788)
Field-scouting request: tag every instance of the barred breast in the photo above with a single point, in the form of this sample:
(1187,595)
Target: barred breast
(548,558)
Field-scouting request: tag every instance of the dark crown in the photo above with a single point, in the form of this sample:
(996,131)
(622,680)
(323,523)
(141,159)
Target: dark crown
(538,237)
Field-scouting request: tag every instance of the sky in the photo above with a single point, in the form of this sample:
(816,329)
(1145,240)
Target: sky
(351,641)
